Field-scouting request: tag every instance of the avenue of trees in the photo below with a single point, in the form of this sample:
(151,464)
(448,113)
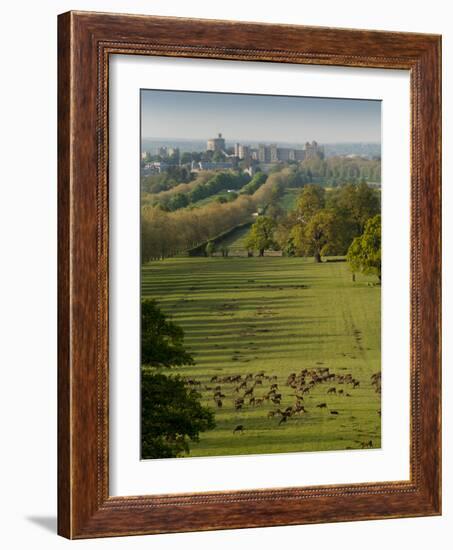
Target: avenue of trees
(172,413)
(166,233)
(331,171)
(321,223)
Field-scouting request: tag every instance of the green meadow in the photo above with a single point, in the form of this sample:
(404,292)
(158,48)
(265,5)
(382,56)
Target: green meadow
(268,318)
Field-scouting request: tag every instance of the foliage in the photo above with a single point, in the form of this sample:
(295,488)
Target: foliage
(173,176)
(261,236)
(162,339)
(172,414)
(210,248)
(221,181)
(326,223)
(311,199)
(339,170)
(179,200)
(356,204)
(317,236)
(167,233)
(257,181)
(364,254)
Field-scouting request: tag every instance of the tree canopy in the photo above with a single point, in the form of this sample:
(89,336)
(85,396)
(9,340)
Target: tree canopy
(317,236)
(172,413)
(364,254)
(261,236)
(162,339)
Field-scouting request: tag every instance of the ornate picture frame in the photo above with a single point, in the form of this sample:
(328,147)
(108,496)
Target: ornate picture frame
(86,41)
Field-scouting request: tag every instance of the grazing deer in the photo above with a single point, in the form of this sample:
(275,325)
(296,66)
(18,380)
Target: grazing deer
(334,412)
(355,384)
(332,390)
(239,429)
(284,418)
(322,406)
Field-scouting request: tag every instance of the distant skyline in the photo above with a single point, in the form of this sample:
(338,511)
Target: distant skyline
(201,115)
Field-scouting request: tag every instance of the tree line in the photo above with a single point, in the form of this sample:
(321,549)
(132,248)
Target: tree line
(330,171)
(342,221)
(166,233)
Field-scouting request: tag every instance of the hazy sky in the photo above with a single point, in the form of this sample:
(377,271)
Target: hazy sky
(200,115)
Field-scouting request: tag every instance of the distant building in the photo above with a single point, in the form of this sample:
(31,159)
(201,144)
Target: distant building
(264,154)
(242,152)
(162,152)
(269,154)
(144,155)
(204,165)
(155,167)
(313,150)
(216,144)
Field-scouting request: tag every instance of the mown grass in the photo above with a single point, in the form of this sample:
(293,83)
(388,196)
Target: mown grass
(278,315)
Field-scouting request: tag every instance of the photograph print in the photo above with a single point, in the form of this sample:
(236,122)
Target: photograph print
(260,274)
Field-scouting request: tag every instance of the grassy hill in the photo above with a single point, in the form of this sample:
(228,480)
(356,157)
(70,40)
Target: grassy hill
(277,315)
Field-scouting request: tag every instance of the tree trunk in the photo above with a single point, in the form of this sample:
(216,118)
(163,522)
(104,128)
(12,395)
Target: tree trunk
(317,257)
(261,252)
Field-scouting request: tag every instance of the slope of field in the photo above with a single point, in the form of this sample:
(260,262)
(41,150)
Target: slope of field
(235,241)
(281,315)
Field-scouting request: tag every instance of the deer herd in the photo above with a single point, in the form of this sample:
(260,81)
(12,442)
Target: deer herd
(258,389)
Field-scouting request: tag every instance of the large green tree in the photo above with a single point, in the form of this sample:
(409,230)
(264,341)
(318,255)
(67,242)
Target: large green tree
(355,203)
(318,236)
(364,254)
(172,413)
(261,235)
(311,200)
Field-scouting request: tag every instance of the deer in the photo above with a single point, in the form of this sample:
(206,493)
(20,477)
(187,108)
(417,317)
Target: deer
(239,429)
